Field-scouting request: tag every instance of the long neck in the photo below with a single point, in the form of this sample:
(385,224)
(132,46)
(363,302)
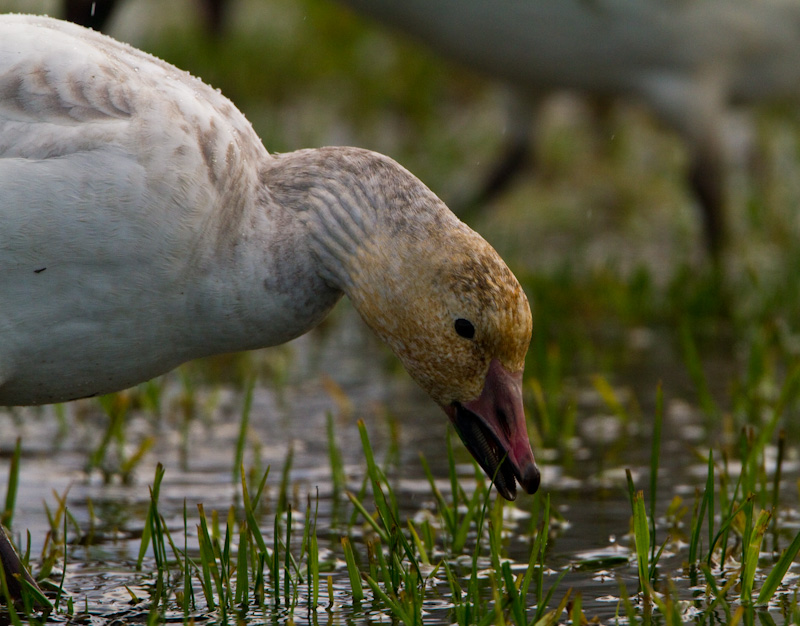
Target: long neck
(354,204)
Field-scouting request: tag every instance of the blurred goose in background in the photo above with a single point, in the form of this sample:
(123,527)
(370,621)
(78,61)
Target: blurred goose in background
(143,224)
(687,61)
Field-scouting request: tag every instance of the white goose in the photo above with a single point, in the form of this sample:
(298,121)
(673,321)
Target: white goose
(143,224)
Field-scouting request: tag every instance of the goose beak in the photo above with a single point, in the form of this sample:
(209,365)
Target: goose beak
(493,429)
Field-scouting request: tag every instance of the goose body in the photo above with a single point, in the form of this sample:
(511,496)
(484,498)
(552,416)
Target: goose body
(143,224)
(131,219)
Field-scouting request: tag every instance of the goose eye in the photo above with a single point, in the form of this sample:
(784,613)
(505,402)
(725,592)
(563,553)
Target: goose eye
(465,328)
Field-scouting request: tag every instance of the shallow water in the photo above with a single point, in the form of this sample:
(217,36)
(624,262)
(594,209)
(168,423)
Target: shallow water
(587,486)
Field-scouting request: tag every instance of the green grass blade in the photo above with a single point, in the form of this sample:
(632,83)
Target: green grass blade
(208,561)
(577,612)
(335,455)
(418,543)
(395,606)
(313,570)
(641,534)
(655,452)
(152,513)
(517,602)
(536,560)
(655,559)
(542,409)
(12,613)
(776,483)
(12,485)
(694,366)
(244,422)
(447,513)
(451,468)
(710,509)
(775,577)
(241,592)
(385,514)
(128,465)
(249,509)
(551,617)
(751,550)
(706,504)
(287,559)
(352,571)
(381,532)
(609,396)
(259,586)
(283,492)
(275,569)
(188,593)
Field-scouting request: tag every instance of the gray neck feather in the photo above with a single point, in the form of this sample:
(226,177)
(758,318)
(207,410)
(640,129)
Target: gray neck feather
(349,200)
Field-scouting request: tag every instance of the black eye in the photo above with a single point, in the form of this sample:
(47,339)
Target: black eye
(465,328)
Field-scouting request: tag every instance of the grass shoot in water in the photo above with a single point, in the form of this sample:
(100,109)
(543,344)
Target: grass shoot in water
(12,486)
(229,577)
(244,423)
(117,407)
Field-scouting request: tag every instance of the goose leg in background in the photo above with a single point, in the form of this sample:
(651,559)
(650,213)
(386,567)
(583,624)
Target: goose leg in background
(518,153)
(215,14)
(91,13)
(706,177)
(96,13)
(694,109)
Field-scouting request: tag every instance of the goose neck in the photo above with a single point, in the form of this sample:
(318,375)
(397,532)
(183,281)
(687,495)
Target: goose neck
(358,207)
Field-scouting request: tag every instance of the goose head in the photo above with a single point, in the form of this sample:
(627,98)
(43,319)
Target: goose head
(433,289)
(460,323)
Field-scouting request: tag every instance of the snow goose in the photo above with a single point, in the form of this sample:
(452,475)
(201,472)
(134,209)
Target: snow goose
(143,224)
